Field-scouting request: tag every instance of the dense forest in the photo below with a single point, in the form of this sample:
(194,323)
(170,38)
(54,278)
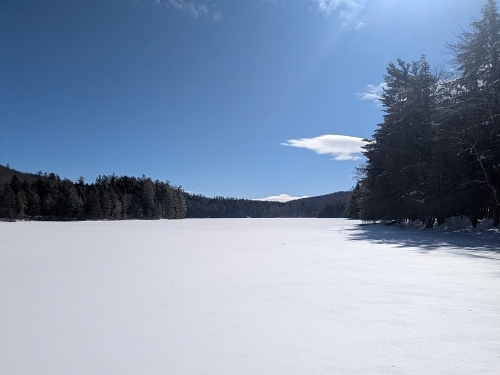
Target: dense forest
(437,152)
(45,196)
(330,205)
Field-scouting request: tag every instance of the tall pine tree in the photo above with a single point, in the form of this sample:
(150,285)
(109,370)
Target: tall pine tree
(473,126)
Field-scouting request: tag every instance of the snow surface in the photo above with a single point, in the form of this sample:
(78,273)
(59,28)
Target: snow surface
(246,296)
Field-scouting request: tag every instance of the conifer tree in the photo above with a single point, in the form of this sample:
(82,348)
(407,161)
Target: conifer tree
(473,126)
(395,181)
(352,210)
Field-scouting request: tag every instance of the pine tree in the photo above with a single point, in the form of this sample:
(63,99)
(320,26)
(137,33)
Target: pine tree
(396,176)
(180,203)
(352,210)
(8,202)
(474,110)
(148,197)
(33,206)
(21,203)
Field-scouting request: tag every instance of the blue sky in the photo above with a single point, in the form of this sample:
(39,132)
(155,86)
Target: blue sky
(229,98)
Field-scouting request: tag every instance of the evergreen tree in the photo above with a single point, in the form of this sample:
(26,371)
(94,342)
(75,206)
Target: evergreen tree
(110,197)
(352,210)
(93,205)
(437,153)
(16,184)
(21,204)
(8,202)
(396,175)
(473,106)
(124,205)
(148,198)
(180,203)
(33,204)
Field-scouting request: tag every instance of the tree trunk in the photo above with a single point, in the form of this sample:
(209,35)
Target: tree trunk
(430,222)
(496,215)
(473,220)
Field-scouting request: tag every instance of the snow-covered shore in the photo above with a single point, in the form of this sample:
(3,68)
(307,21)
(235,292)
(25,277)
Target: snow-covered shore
(247,296)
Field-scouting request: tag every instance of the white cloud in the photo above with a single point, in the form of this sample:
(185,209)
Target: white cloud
(193,9)
(329,6)
(373,92)
(360,23)
(280,198)
(217,16)
(341,147)
(348,11)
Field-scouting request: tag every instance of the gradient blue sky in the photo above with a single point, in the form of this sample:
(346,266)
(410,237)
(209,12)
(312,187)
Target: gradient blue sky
(233,98)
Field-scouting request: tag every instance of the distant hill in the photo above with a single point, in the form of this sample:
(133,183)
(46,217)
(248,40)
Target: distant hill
(6,174)
(321,199)
(328,205)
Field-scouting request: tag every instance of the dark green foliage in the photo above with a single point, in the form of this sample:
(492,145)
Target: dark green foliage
(180,203)
(8,201)
(47,197)
(33,202)
(400,154)
(352,208)
(437,153)
(219,207)
(474,102)
(331,205)
(333,209)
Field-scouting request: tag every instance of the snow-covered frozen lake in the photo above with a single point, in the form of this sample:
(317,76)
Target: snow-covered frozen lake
(246,296)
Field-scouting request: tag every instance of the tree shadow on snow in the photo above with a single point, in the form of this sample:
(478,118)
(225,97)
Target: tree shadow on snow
(480,244)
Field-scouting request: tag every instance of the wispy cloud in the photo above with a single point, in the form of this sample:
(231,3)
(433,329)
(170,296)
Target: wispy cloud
(217,16)
(280,198)
(329,6)
(347,11)
(341,147)
(373,92)
(193,9)
(360,23)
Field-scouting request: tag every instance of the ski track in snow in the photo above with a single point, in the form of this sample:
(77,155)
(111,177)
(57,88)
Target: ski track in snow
(247,296)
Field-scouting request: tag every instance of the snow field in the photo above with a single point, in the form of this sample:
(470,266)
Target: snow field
(246,296)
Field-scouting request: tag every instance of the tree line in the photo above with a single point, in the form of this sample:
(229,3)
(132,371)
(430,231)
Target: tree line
(332,205)
(437,152)
(48,197)
(45,196)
